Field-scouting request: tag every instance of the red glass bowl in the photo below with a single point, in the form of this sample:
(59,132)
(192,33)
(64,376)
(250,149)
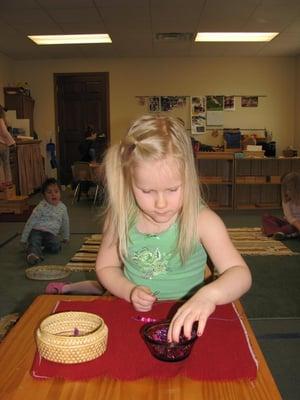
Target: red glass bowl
(155,337)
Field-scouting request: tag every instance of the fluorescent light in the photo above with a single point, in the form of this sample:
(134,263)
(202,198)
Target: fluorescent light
(71,39)
(235,36)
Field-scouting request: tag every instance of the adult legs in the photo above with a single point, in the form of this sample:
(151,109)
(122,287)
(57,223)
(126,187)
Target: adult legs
(5,163)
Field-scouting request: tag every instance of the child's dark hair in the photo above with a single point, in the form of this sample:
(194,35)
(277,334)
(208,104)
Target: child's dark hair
(48,182)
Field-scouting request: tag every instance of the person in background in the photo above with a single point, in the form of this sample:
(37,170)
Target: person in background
(158,231)
(287,227)
(6,140)
(47,221)
(86,150)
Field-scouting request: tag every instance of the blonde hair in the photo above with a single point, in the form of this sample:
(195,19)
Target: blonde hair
(151,137)
(290,187)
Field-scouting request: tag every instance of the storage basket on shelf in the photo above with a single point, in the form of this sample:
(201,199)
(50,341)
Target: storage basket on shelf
(72,337)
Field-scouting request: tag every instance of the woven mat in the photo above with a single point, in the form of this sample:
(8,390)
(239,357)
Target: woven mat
(6,323)
(251,241)
(85,258)
(248,241)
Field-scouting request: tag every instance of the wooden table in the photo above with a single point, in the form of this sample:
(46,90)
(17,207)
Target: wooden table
(18,348)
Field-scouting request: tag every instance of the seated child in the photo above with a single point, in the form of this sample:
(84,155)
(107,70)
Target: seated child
(48,219)
(289,226)
(158,231)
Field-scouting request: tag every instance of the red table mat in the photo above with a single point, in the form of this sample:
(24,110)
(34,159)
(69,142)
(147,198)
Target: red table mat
(223,351)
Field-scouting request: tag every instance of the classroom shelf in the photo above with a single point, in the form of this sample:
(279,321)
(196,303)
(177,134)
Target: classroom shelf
(242,183)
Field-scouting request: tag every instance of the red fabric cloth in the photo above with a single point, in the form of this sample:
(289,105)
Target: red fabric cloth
(221,353)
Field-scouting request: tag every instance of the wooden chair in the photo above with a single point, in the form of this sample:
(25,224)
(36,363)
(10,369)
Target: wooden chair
(82,178)
(97,175)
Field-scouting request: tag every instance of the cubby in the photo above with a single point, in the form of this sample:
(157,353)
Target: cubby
(257,181)
(242,183)
(216,175)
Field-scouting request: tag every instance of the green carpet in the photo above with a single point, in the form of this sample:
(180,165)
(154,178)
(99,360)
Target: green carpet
(16,291)
(275,290)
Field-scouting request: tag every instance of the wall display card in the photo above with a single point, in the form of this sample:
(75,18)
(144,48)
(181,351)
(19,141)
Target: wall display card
(214,103)
(167,103)
(229,103)
(214,107)
(198,114)
(249,101)
(214,118)
(154,104)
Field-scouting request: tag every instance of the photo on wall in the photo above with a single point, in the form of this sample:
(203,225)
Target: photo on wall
(198,114)
(154,104)
(229,103)
(214,107)
(214,103)
(249,101)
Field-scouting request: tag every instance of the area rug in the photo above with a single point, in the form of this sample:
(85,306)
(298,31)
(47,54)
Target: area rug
(6,323)
(248,241)
(251,241)
(85,258)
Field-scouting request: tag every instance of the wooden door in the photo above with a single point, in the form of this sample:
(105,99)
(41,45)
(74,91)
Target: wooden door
(82,100)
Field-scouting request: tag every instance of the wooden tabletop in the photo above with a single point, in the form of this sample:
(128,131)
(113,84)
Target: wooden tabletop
(18,348)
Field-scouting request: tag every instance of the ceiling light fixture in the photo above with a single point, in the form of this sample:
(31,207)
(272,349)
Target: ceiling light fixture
(71,39)
(235,36)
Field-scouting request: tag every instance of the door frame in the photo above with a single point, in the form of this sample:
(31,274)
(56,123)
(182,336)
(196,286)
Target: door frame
(58,75)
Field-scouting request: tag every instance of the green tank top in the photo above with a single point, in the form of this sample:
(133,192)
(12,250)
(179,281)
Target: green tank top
(153,261)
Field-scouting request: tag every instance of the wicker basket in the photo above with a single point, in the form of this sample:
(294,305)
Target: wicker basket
(72,337)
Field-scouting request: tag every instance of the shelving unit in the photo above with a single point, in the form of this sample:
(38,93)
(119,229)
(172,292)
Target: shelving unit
(257,181)
(21,102)
(216,174)
(242,183)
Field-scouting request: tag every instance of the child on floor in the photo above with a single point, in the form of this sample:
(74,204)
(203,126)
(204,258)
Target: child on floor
(48,219)
(158,231)
(289,226)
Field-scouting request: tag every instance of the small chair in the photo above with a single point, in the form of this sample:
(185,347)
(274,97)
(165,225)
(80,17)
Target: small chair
(82,177)
(97,172)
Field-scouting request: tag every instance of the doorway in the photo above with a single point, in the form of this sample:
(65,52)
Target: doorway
(82,101)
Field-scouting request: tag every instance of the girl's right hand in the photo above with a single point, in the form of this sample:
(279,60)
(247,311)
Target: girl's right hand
(142,298)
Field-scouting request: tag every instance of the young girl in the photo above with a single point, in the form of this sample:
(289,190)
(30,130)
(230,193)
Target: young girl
(6,140)
(158,231)
(289,226)
(48,219)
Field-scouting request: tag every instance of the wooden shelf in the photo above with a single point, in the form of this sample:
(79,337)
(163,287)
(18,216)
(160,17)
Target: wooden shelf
(214,155)
(242,183)
(256,183)
(213,181)
(258,206)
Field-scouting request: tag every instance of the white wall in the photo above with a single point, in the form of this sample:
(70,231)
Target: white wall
(274,77)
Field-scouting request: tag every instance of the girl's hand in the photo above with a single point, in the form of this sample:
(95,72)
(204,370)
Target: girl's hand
(142,298)
(197,309)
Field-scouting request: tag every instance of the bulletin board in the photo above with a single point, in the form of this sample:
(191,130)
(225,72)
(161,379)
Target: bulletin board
(204,113)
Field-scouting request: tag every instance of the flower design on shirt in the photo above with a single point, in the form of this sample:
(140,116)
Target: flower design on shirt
(151,262)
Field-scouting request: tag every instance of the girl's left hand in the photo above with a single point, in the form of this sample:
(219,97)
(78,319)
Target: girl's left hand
(197,309)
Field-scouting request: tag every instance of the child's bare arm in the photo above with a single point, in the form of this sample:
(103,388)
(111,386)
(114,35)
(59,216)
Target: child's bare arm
(110,273)
(233,282)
